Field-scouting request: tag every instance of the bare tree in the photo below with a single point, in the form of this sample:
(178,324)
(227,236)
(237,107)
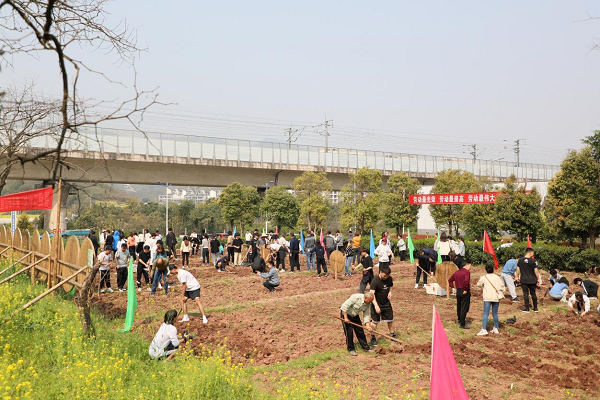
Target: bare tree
(35,27)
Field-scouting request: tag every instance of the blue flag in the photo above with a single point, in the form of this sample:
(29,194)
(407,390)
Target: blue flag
(234,230)
(301,242)
(372,245)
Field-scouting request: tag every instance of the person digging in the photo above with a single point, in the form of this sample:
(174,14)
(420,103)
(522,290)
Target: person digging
(350,311)
(191,290)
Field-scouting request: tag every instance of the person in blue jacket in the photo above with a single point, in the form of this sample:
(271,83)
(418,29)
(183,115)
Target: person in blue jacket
(116,239)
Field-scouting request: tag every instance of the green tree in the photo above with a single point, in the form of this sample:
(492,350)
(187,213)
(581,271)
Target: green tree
(280,206)
(208,216)
(519,212)
(452,181)
(239,204)
(182,214)
(398,211)
(362,201)
(477,218)
(23,222)
(573,202)
(311,189)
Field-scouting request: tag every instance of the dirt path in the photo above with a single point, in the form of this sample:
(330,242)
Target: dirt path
(291,332)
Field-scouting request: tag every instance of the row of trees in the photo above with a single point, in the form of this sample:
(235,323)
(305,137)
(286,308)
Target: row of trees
(516,210)
(364,203)
(572,206)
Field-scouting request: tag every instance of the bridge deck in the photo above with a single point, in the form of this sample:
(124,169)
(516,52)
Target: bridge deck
(126,145)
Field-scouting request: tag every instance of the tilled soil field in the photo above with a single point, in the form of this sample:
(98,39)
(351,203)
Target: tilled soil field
(292,333)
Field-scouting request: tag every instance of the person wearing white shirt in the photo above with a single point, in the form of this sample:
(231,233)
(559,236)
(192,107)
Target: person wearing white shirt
(579,303)
(383,253)
(248,237)
(461,247)
(165,341)
(105,258)
(191,290)
(402,248)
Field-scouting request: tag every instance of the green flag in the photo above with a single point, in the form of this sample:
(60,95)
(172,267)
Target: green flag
(411,248)
(439,260)
(131,298)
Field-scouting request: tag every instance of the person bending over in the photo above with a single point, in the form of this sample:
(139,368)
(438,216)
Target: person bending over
(271,278)
(589,288)
(579,303)
(350,312)
(165,341)
(560,290)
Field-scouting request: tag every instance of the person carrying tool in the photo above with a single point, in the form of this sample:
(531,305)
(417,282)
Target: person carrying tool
(423,263)
(350,311)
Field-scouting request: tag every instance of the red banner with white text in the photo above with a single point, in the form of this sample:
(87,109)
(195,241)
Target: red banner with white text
(38,199)
(453,198)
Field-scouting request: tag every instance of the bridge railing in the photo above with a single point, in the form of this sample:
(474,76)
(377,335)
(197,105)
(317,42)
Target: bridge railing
(282,155)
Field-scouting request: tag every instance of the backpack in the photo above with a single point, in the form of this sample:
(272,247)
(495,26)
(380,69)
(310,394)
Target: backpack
(329,242)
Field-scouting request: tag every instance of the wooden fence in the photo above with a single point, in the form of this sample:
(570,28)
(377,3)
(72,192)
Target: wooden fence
(39,255)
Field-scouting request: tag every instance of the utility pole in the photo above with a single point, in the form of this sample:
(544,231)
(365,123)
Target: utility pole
(517,150)
(474,152)
(289,140)
(327,124)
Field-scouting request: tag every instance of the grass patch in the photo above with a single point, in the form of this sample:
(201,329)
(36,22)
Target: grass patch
(45,356)
(306,362)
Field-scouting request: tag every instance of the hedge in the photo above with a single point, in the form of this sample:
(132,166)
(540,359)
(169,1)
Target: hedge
(549,256)
(564,258)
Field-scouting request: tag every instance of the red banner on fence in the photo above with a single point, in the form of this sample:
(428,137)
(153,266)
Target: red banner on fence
(453,198)
(38,199)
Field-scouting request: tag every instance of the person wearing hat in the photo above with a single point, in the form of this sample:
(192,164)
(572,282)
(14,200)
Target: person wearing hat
(190,290)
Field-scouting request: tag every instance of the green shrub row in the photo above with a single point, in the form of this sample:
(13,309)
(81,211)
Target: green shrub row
(549,256)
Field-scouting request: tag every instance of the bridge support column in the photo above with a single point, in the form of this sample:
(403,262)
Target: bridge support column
(50,215)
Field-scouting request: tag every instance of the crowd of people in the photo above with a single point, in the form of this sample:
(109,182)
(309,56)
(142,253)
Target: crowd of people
(155,259)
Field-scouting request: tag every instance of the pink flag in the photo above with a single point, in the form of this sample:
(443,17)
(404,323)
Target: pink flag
(445,381)
(277,230)
(321,238)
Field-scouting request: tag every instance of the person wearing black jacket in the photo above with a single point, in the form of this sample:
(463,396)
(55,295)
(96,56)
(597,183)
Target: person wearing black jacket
(258,264)
(589,288)
(94,240)
(215,250)
(294,252)
(110,239)
(319,253)
(172,242)
(367,264)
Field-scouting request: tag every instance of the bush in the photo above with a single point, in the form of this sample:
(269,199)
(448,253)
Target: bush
(549,256)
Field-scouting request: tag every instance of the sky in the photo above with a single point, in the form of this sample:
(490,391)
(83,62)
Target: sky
(427,77)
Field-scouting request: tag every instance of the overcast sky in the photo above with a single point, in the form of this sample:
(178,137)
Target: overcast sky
(415,76)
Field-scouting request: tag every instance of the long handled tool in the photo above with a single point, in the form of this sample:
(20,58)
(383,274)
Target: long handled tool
(427,273)
(393,339)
